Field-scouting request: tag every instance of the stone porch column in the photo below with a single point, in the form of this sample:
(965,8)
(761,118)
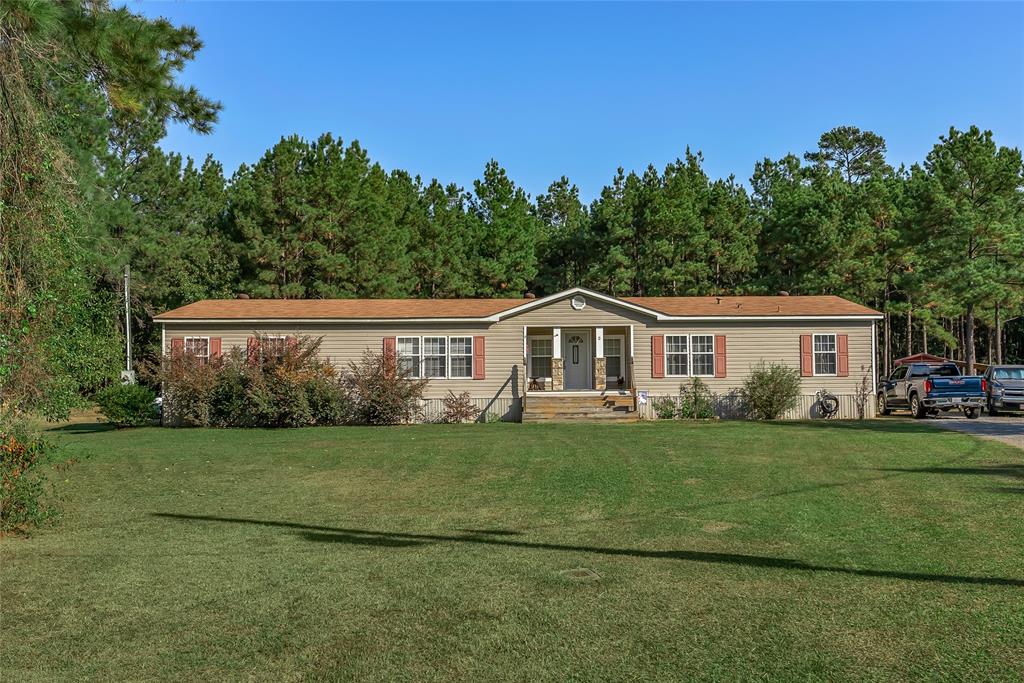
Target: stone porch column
(557,367)
(600,364)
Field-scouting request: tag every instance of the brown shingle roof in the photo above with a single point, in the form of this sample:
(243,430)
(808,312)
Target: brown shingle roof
(397,309)
(252,309)
(750,305)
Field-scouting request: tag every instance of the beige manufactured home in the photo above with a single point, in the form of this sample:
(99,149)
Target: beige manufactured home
(515,356)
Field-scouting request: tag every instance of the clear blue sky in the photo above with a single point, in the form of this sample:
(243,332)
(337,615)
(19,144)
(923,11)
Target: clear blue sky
(579,89)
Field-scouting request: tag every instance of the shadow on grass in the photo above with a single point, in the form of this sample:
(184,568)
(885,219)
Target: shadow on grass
(326,534)
(880,425)
(84,428)
(1012,471)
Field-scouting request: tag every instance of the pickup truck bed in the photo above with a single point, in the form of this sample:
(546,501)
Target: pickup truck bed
(923,388)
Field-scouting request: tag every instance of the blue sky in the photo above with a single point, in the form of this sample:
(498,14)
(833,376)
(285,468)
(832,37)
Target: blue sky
(580,89)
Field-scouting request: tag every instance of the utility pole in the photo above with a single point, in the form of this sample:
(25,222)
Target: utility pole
(128,376)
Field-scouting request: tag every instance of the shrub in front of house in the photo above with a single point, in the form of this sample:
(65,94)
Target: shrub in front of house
(382,392)
(188,383)
(695,401)
(328,404)
(770,391)
(665,407)
(127,405)
(458,408)
(283,386)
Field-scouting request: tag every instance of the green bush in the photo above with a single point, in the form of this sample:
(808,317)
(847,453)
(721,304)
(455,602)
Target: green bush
(294,388)
(327,402)
(127,405)
(290,405)
(695,401)
(664,407)
(770,391)
(23,494)
(230,399)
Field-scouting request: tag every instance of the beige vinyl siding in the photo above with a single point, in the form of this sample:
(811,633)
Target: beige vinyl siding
(344,342)
(747,342)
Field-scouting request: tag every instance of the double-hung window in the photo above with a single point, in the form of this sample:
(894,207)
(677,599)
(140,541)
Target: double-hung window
(677,355)
(436,357)
(273,347)
(690,355)
(460,357)
(613,356)
(540,356)
(702,355)
(409,355)
(825,357)
(198,347)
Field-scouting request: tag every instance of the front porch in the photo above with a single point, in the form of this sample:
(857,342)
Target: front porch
(578,358)
(578,373)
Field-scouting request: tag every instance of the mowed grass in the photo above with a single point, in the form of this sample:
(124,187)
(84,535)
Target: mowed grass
(726,551)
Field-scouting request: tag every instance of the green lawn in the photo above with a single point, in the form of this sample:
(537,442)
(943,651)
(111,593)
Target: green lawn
(728,551)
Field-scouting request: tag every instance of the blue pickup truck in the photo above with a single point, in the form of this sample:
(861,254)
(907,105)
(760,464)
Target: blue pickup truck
(927,388)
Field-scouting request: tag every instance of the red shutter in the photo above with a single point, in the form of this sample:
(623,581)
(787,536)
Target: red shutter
(177,346)
(806,356)
(214,347)
(252,350)
(719,355)
(479,361)
(843,348)
(658,355)
(390,355)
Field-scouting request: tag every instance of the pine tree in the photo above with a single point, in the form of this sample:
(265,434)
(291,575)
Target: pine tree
(504,233)
(968,199)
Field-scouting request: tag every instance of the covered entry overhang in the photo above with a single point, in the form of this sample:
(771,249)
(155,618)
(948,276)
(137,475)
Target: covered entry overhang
(579,358)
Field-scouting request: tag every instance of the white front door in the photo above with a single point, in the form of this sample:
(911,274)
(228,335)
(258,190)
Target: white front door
(576,357)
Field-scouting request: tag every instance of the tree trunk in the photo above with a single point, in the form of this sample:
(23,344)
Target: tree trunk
(999,337)
(924,335)
(910,333)
(969,338)
(887,351)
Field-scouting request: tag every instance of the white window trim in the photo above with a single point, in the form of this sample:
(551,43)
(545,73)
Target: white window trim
(282,337)
(815,352)
(424,356)
(460,355)
(419,353)
(420,374)
(529,352)
(690,354)
(621,356)
(184,347)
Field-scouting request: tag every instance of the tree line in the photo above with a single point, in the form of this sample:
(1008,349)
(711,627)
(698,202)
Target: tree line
(86,188)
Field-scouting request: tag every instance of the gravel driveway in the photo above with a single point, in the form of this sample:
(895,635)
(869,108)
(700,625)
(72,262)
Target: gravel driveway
(1006,429)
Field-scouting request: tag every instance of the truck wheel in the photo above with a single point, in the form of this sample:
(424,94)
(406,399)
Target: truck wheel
(882,408)
(992,410)
(971,413)
(917,408)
